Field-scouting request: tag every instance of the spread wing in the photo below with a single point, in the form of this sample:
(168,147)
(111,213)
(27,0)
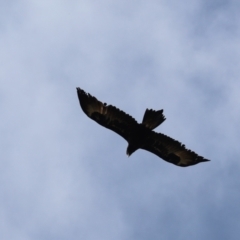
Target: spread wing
(171,150)
(106,115)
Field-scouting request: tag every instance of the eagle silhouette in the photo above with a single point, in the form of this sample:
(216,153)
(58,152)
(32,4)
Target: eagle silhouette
(139,135)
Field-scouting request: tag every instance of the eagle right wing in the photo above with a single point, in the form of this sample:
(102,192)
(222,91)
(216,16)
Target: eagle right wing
(106,115)
(171,150)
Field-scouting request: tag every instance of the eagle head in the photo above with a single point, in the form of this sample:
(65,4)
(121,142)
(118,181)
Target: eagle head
(131,149)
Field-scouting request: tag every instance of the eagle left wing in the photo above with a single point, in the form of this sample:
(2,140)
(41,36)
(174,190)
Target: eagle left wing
(106,115)
(171,150)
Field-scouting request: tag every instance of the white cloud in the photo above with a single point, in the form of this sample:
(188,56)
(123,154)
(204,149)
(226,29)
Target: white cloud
(63,176)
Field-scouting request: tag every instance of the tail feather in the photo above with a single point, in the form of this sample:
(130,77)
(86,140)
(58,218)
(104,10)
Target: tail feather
(152,118)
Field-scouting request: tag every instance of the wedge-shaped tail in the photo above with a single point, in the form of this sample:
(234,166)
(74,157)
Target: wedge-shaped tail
(152,118)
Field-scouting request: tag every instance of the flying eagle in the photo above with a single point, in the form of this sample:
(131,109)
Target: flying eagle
(139,135)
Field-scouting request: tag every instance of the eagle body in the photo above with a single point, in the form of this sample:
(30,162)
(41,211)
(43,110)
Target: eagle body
(138,135)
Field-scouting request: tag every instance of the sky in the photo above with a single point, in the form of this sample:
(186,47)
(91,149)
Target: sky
(63,176)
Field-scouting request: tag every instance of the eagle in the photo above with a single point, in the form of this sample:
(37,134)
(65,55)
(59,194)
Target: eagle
(138,135)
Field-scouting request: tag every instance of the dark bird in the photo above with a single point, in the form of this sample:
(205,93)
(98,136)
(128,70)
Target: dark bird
(139,135)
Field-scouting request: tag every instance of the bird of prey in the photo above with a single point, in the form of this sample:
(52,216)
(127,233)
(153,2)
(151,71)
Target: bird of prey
(139,135)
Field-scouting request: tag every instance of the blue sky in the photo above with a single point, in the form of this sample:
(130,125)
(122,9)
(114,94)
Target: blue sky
(62,176)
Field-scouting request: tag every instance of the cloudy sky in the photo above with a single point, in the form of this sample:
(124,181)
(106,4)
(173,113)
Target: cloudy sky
(63,176)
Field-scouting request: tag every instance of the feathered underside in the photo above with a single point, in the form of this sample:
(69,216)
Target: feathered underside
(106,115)
(171,150)
(139,135)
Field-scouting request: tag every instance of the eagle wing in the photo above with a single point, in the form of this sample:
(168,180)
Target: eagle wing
(171,150)
(106,115)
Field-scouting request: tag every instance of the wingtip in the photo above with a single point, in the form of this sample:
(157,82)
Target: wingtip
(205,160)
(80,91)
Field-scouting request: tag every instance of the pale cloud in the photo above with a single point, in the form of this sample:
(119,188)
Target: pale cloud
(63,176)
